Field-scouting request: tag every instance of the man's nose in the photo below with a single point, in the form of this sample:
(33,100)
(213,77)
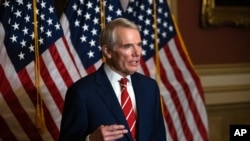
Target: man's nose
(137,50)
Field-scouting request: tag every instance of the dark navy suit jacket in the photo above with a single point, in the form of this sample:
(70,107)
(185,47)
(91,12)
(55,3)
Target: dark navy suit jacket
(91,102)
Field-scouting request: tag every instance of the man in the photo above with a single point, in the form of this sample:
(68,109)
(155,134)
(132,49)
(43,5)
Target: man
(92,109)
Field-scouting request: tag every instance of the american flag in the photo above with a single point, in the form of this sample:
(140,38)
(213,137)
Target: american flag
(183,100)
(18,90)
(81,23)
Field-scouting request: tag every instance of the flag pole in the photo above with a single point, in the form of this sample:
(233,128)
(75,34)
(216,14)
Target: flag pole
(40,122)
(102,15)
(157,59)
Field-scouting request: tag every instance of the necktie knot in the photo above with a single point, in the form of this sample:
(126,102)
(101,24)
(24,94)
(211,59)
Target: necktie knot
(123,82)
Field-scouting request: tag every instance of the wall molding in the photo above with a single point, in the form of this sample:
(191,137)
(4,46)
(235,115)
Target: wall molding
(225,83)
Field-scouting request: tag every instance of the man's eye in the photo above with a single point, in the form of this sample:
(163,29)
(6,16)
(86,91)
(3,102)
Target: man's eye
(139,44)
(126,46)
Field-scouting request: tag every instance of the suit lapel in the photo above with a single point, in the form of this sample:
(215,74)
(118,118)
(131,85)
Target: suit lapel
(109,98)
(139,92)
(107,93)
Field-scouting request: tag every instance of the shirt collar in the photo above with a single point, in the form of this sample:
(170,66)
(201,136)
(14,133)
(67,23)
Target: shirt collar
(114,76)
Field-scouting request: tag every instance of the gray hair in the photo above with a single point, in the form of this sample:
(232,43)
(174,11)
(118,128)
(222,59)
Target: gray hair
(108,35)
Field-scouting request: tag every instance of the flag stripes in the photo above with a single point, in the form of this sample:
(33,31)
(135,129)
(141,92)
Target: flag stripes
(18,92)
(71,53)
(181,85)
(8,134)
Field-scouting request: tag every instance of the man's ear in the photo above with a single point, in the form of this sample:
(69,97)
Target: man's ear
(106,51)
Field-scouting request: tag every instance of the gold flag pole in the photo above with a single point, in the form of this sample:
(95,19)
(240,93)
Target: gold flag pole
(40,122)
(102,15)
(157,59)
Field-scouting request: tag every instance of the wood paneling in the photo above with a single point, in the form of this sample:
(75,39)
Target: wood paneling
(221,116)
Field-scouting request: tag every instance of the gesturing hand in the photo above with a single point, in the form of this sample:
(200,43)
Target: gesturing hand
(108,133)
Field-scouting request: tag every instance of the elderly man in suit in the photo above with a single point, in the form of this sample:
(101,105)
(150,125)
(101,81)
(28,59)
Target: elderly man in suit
(115,102)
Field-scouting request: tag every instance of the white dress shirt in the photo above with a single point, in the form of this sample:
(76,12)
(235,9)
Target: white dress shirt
(114,78)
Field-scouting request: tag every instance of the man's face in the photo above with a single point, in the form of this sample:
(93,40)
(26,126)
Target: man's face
(124,58)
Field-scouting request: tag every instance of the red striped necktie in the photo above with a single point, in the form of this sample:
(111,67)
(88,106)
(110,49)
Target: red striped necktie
(127,107)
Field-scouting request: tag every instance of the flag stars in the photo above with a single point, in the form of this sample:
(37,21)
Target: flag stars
(111,7)
(171,28)
(165,24)
(21,56)
(51,9)
(130,9)
(43,4)
(83,38)
(149,12)
(118,12)
(96,21)
(109,18)
(147,22)
(152,36)
(27,18)
(85,27)
(41,41)
(164,34)
(15,26)
(6,3)
(77,23)
(142,7)
(25,30)
(146,32)
(166,14)
(31,48)
(144,42)
(143,52)
(159,20)
(13,38)
(151,46)
(32,35)
(20,2)
(92,43)
(159,10)
(23,43)
(41,29)
(48,33)
(42,16)
(100,48)
(87,16)
(81,1)
(29,6)
(140,17)
(91,54)
(79,12)
(49,21)
(94,32)
(18,14)
(89,5)
(97,9)
(57,26)
(74,7)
